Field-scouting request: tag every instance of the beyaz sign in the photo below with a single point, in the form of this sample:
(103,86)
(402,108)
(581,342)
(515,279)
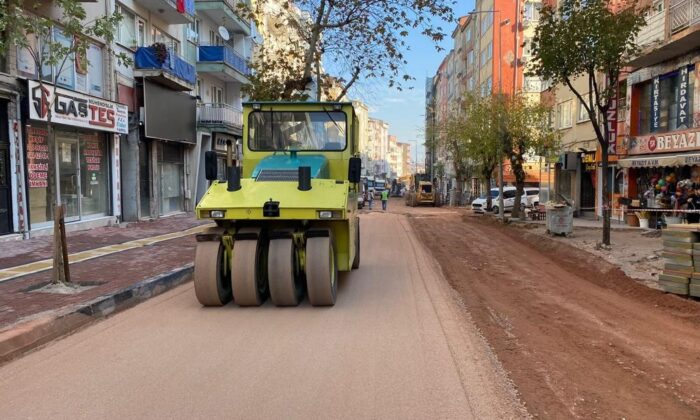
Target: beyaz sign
(76,109)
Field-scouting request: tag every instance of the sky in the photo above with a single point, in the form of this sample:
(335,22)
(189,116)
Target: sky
(405,110)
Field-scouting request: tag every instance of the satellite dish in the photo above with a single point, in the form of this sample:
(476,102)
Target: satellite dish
(223,32)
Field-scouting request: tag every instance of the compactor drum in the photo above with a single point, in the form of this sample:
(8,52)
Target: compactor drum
(286,214)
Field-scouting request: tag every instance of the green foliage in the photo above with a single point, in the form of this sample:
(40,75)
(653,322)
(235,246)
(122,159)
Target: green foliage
(591,39)
(356,40)
(32,27)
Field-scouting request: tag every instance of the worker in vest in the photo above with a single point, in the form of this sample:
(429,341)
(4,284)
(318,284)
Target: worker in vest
(385,198)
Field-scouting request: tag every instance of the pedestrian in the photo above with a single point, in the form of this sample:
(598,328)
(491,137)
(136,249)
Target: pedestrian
(385,198)
(370,197)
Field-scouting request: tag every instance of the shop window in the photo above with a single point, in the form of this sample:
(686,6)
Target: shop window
(661,100)
(94,175)
(41,175)
(171,165)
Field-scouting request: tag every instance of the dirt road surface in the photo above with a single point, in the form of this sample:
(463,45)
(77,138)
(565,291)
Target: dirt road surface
(578,338)
(396,345)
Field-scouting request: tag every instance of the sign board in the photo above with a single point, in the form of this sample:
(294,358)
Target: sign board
(76,109)
(38,157)
(655,105)
(682,116)
(677,141)
(612,127)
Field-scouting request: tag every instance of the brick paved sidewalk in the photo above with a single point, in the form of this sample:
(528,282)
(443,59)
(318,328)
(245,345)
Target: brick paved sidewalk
(19,300)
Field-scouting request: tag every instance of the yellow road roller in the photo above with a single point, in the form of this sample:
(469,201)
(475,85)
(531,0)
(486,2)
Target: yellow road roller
(286,214)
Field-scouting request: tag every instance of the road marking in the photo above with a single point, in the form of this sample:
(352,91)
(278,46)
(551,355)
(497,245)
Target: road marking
(38,266)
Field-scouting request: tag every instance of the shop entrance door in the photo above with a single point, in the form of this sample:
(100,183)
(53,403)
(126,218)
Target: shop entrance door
(5,193)
(587,192)
(68,176)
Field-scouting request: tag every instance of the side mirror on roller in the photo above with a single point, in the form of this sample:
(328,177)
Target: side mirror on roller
(355,170)
(210,165)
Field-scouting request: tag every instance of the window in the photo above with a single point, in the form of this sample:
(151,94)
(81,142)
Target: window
(219,95)
(486,21)
(531,12)
(160,36)
(671,106)
(126,33)
(564,114)
(582,113)
(527,48)
(471,83)
(468,34)
(489,86)
(470,58)
(311,130)
(489,50)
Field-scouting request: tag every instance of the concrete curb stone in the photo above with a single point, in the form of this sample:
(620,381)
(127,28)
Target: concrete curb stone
(31,333)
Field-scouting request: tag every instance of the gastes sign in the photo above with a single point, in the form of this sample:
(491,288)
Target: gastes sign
(76,109)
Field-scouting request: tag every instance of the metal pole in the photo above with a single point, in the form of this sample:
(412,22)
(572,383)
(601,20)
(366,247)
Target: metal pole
(501,210)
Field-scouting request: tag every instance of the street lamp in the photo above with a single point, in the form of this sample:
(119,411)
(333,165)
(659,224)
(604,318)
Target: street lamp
(500,92)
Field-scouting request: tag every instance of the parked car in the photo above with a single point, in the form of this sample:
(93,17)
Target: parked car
(508,199)
(530,198)
(479,204)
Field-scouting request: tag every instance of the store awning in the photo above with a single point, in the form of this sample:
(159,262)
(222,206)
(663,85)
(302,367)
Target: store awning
(660,161)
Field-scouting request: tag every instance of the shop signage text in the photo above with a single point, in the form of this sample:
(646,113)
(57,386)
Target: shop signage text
(612,127)
(76,109)
(37,157)
(682,112)
(655,104)
(677,141)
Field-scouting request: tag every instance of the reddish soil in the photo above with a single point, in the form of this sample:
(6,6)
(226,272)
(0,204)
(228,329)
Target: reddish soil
(577,336)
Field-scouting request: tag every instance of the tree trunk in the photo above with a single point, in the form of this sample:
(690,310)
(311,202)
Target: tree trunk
(606,196)
(517,165)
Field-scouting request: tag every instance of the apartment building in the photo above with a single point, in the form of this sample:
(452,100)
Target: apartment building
(139,154)
(404,161)
(378,146)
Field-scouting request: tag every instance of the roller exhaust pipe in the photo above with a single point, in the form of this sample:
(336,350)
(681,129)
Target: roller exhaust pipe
(304,178)
(234,178)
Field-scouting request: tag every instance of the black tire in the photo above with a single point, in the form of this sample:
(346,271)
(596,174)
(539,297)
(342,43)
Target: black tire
(494,209)
(356,261)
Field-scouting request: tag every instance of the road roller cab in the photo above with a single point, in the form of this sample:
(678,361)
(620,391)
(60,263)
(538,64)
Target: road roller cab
(286,216)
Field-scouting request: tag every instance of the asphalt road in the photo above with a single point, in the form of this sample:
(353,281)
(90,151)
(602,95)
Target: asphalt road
(396,345)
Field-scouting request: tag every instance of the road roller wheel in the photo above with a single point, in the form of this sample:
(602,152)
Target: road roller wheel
(248,265)
(321,271)
(286,287)
(356,261)
(211,286)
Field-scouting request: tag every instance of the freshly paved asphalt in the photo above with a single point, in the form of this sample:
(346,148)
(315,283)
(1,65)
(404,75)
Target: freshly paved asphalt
(397,344)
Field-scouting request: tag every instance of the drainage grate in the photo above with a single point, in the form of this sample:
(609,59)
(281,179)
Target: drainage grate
(278,175)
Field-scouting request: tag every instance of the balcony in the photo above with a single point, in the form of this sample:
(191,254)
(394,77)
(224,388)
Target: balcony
(174,72)
(683,33)
(227,12)
(223,62)
(168,12)
(683,14)
(221,117)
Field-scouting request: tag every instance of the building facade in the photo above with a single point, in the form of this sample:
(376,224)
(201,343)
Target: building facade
(122,143)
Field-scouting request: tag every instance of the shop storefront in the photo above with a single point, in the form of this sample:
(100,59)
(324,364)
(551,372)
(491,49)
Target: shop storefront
(74,163)
(5,173)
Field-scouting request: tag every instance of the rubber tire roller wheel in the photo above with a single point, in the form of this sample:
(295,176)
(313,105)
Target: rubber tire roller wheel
(247,275)
(321,271)
(356,261)
(286,288)
(210,285)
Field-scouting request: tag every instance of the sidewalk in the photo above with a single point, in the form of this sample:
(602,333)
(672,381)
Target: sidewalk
(113,259)
(581,222)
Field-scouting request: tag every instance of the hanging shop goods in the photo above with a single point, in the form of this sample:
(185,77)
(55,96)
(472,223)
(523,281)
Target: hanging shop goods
(76,109)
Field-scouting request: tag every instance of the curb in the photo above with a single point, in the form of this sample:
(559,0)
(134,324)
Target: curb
(27,335)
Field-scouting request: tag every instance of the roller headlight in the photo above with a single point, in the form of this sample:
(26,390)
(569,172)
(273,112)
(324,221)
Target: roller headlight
(217,214)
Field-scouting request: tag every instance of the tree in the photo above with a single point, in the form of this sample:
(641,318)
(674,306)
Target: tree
(354,39)
(472,135)
(594,39)
(525,131)
(55,35)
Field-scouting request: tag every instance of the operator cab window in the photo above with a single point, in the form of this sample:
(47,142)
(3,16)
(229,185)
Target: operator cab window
(303,131)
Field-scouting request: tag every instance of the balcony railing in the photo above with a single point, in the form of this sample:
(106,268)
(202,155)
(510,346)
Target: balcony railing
(223,54)
(173,64)
(683,13)
(219,114)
